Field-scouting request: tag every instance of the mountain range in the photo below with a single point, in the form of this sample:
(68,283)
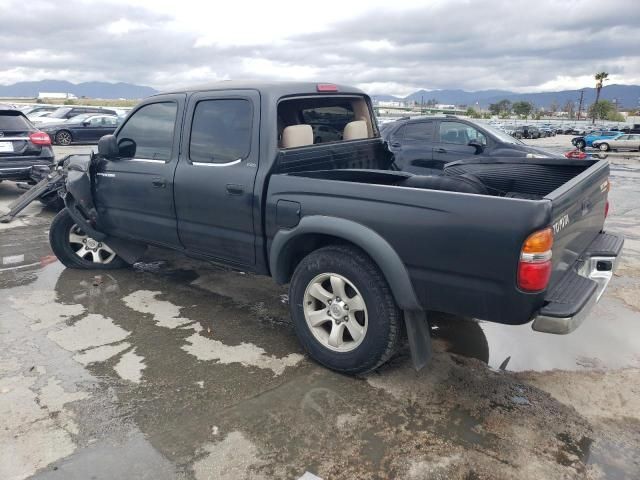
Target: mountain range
(627,96)
(87,89)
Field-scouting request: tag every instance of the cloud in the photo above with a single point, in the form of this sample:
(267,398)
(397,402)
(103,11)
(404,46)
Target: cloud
(397,48)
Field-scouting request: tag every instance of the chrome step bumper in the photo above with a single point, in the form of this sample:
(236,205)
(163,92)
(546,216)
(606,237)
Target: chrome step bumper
(571,300)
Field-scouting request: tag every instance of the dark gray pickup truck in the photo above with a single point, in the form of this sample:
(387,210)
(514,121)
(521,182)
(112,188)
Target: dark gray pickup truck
(293,181)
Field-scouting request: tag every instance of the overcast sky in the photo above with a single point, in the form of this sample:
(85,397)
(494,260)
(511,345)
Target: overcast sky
(391,46)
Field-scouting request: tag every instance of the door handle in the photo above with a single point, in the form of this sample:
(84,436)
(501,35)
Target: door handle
(441,150)
(233,189)
(396,144)
(159,182)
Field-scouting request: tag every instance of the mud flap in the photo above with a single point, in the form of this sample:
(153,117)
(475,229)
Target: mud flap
(419,337)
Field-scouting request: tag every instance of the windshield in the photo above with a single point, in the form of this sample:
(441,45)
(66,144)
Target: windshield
(503,137)
(60,113)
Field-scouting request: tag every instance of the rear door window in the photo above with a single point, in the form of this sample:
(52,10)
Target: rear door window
(418,132)
(150,131)
(221,131)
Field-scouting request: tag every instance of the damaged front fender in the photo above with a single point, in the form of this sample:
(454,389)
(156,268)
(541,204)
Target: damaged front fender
(79,195)
(80,171)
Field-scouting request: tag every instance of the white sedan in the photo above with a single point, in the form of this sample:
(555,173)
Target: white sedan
(622,142)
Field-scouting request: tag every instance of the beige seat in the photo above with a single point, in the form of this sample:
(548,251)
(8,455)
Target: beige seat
(355,130)
(297,136)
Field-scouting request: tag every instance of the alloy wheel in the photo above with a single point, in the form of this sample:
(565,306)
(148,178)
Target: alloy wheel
(335,312)
(88,248)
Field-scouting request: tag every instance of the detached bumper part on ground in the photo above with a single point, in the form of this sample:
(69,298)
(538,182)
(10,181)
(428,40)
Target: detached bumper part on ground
(571,300)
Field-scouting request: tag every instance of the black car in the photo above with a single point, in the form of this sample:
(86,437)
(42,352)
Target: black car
(22,146)
(432,142)
(87,128)
(527,131)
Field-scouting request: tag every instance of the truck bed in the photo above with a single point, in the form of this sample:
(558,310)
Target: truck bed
(462,250)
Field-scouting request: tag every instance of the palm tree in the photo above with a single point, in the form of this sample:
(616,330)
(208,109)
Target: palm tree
(600,79)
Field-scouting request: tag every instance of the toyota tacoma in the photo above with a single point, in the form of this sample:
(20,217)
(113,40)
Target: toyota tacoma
(243,174)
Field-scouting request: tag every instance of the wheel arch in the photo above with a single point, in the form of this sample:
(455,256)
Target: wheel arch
(289,247)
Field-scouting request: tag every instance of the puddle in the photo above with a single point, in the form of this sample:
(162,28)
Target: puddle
(234,458)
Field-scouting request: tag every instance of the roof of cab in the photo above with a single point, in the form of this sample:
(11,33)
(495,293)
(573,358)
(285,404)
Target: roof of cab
(273,88)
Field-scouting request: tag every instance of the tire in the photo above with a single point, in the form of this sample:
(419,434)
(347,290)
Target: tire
(581,144)
(66,242)
(379,320)
(604,147)
(53,201)
(63,137)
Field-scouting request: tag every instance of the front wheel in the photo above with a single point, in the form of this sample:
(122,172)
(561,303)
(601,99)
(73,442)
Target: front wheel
(604,147)
(343,310)
(581,144)
(75,249)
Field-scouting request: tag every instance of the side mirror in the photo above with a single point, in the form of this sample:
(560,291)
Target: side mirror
(108,147)
(477,145)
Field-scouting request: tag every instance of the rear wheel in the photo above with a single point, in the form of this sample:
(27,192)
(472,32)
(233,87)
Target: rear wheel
(343,310)
(604,147)
(63,137)
(75,249)
(581,144)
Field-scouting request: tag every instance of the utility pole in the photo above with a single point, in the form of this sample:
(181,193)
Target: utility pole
(580,105)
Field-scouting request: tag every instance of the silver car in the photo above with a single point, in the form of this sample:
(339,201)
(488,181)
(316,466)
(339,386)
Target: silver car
(623,142)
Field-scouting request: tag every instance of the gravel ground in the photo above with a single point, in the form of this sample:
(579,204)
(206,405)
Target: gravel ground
(180,369)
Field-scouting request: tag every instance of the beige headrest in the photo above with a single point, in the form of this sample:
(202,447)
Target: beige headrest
(297,136)
(355,130)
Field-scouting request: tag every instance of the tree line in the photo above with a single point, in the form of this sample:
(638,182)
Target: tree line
(599,110)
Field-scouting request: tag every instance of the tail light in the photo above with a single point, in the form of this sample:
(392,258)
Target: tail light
(576,154)
(534,268)
(40,138)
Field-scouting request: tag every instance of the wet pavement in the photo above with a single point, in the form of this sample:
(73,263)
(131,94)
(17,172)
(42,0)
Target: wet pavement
(180,369)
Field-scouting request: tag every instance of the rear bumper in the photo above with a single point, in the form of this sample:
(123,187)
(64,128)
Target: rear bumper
(19,168)
(571,300)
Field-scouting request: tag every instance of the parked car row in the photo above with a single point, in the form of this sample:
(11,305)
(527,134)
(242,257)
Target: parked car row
(608,140)
(540,130)
(532,131)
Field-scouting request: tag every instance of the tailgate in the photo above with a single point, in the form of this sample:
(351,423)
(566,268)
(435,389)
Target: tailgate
(578,213)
